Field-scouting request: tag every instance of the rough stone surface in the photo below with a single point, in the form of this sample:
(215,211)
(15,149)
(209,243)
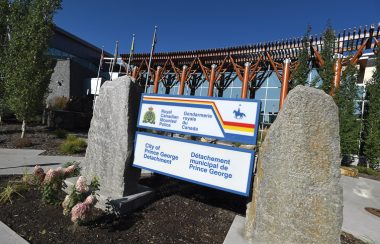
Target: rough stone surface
(297,197)
(111,136)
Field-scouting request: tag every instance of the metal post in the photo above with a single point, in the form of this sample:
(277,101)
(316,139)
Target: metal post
(285,82)
(150,58)
(244,87)
(182,81)
(131,53)
(212,81)
(156,79)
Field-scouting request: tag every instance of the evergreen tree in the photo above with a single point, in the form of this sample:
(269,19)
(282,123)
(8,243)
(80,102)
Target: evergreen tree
(372,127)
(28,68)
(349,126)
(3,42)
(326,72)
(301,74)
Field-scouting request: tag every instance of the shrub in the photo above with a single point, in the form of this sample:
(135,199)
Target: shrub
(23,142)
(73,145)
(81,200)
(59,133)
(52,182)
(59,103)
(368,171)
(72,169)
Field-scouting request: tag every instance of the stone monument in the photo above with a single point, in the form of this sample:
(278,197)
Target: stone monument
(297,197)
(111,136)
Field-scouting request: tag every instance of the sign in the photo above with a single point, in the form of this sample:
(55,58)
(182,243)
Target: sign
(226,119)
(221,167)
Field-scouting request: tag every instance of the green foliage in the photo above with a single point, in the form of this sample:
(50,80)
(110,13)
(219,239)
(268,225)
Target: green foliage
(301,74)
(50,193)
(59,133)
(13,188)
(326,72)
(75,197)
(368,171)
(372,126)
(94,185)
(349,126)
(77,169)
(73,145)
(27,67)
(3,43)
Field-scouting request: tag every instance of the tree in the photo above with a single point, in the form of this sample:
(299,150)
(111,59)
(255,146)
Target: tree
(3,43)
(372,126)
(326,71)
(301,74)
(349,126)
(28,68)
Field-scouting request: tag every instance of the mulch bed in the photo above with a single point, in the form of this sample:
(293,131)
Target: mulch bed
(41,138)
(180,213)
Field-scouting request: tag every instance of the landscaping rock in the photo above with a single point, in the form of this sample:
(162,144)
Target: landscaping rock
(297,197)
(111,136)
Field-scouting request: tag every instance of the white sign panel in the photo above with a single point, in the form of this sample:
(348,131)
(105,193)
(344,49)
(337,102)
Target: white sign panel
(226,119)
(221,167)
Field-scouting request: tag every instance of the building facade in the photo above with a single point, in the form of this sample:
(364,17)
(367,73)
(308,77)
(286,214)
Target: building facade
(261,71)
(76,61)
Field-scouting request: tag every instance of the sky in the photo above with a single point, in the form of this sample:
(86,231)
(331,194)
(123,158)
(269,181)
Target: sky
(203,24)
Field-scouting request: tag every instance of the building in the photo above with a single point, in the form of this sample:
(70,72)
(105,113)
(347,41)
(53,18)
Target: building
(259,71)
(76,62)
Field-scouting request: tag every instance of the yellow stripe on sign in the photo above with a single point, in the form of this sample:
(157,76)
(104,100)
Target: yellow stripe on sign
(238,128)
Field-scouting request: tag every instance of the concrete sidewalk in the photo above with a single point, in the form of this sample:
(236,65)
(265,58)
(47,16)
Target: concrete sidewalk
(8,236)
(358,193)
(16,161)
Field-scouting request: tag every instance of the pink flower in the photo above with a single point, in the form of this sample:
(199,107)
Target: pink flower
(37,171)
(90,200)
(60,171)
(51,176)
(80,212)
(81,185)
(69,170)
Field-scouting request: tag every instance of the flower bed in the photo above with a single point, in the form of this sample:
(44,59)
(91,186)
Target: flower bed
(180,213)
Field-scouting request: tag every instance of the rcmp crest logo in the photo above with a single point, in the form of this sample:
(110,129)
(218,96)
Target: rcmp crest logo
(149,116)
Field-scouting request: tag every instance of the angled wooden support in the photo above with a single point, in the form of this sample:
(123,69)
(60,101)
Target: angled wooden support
(359,52)
(183,76)
(134,72)
(337,73)
(337,68)
(249,73)
(212,74)
(285,77)
(377,44)
(137,70)
(157,76)
(318,56)
(276,66)
(285,82)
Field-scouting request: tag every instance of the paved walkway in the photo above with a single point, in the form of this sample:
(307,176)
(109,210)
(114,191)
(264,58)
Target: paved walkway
(16,161)
(358,193)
